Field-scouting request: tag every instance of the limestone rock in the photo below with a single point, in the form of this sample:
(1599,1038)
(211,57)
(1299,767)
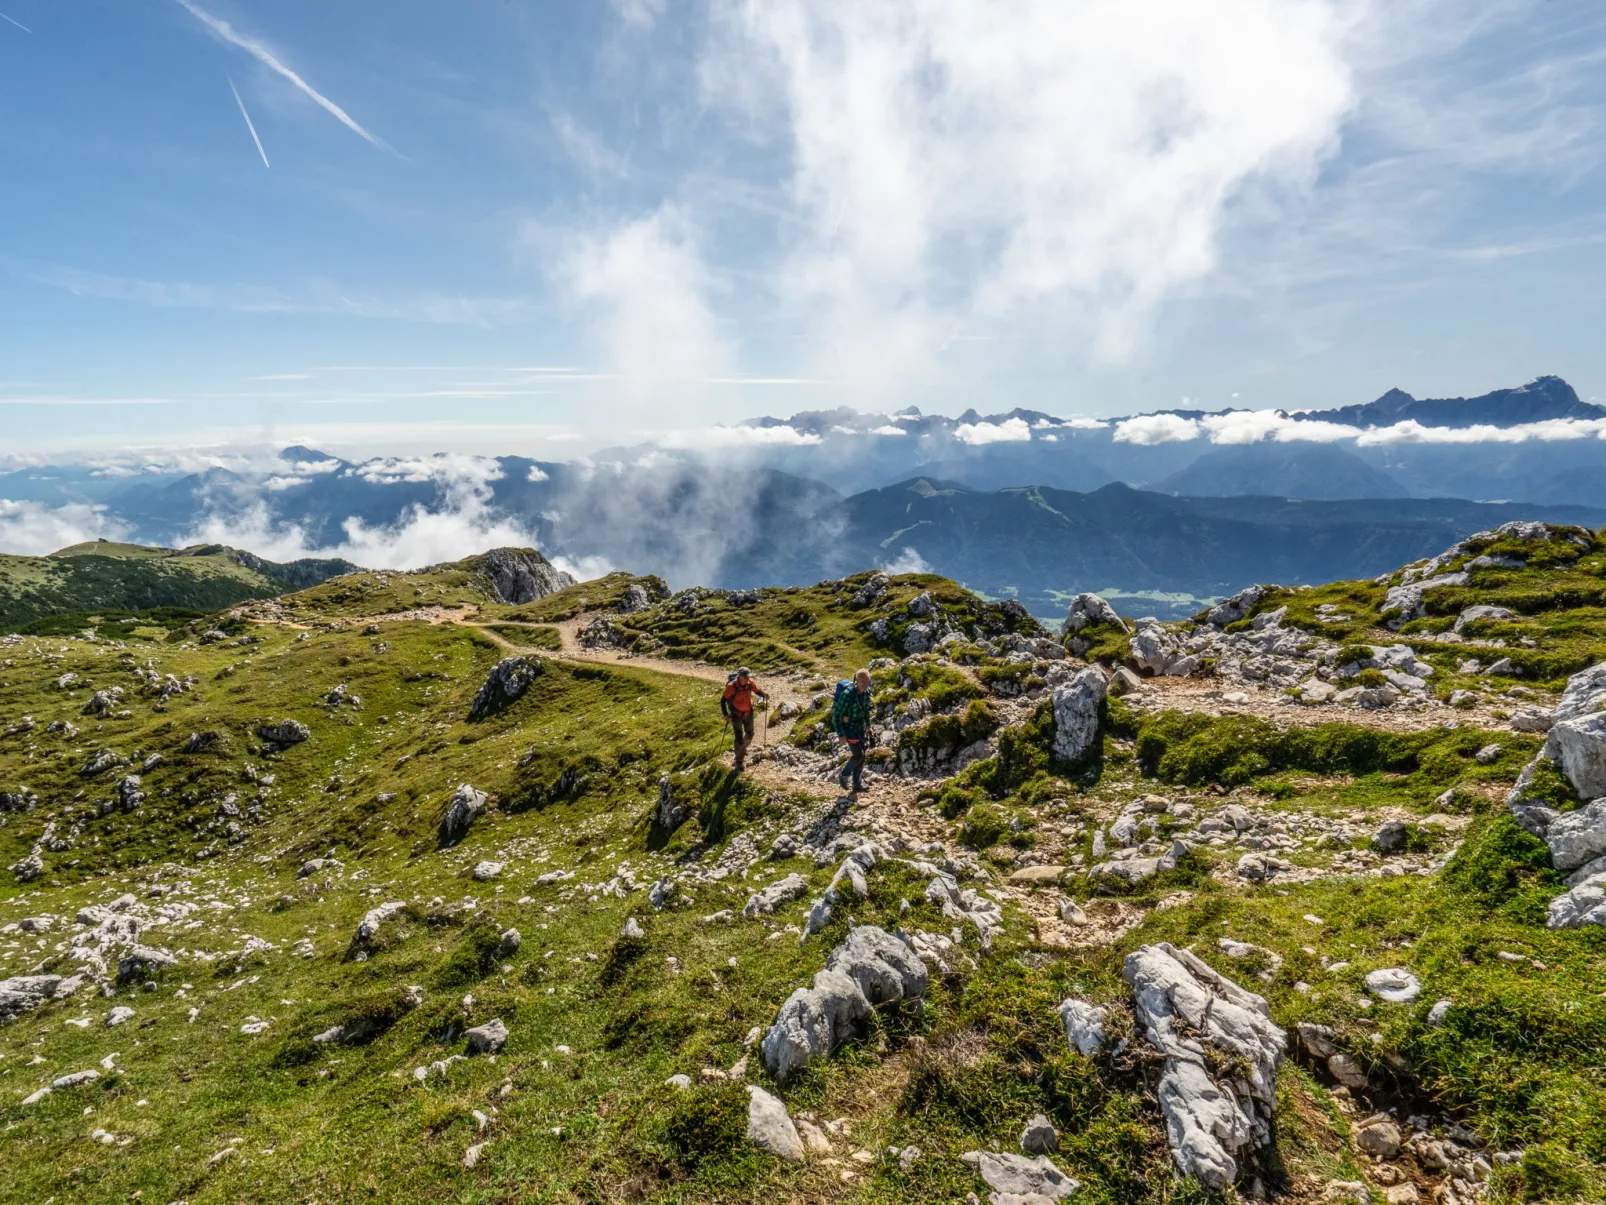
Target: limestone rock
(1017,1177)
(1578,838)
(1481,611)
(1039,1137)
(883,966)
(813,1022)
(1347,1071)
(484,872)
(1378,1137)
(465,807)
(510,943)
(1578,747)
(769,1127)
(1585,904)
(24,993)
(782,891)
(1394,984)
(140,962)
(488,1038)
(1088,610)
(1182,1005)
(505,685)
(283,734)
(369,927)
(1076,715)
(1585,693)
(1084,1025)
(522,575)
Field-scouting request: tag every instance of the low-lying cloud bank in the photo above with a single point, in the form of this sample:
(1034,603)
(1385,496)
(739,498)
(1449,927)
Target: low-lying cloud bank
(1256,426)
(34,529)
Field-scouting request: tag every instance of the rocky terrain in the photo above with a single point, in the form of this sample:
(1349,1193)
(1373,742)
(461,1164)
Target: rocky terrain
(436,885)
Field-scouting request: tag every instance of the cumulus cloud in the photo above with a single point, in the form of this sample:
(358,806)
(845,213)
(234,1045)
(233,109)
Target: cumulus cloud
(953,159)
(908,561)
(1011,430)
(461,522)
(34,529)
(648,286)
(1147,429)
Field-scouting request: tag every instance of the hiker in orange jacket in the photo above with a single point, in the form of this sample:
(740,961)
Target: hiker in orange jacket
(737,704)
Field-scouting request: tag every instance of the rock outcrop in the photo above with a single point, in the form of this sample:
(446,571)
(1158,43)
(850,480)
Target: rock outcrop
(1076,715)
(870,968)
(505,685)
(461,812)
(522,575)
(1184,1009)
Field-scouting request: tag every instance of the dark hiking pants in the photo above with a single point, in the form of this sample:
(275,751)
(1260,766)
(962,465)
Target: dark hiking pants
(742,722)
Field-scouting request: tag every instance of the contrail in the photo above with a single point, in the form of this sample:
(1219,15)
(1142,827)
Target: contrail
(17,23)
(267,58)
(249,126)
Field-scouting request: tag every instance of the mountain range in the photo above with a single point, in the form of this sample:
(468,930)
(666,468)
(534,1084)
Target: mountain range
(1169,507)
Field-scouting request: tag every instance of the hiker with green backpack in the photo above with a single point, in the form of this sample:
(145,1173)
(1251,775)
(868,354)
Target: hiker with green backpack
(850,720)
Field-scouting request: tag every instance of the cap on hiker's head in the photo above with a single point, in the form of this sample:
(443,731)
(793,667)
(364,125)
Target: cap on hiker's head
(744,672)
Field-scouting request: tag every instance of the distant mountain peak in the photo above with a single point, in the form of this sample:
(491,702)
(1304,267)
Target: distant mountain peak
(1541,399)
(301,454)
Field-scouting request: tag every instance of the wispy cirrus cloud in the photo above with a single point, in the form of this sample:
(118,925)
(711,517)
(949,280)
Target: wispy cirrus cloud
(257,50)
(318,297)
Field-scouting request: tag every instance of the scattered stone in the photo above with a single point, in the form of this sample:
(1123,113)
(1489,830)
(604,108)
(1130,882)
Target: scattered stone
(509,945)
(1436,1014)
(1039,1137)
(1481,611)
(1018,1180)
(1084,1025)
(1036,876)
(25,993)
(488,1038)
(1347,1071)
(283,734)
(118,1015)
(782,891)
(317,866)
(484,872)
(1378,1137)
(632,930)
(1394,984)
(1487,755)
(1391,837)
(1123,682)
(769,1127)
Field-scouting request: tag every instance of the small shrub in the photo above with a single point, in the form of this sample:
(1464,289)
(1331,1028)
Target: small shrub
(473,957)
(1501,865)
(706,1122)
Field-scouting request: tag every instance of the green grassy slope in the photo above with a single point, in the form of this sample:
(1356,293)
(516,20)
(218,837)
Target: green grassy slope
(574,1108)
(90,578)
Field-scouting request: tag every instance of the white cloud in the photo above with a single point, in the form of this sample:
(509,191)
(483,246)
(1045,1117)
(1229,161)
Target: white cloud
(999,159)
(536,473)
(888,429)
(1011,430)
(585,568)
(1253,426)
(780,436)
(908,561)
(1156,429)
(648,283)
(34,529)
(1550,431)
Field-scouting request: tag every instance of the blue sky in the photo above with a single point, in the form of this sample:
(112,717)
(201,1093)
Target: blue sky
(533,227)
